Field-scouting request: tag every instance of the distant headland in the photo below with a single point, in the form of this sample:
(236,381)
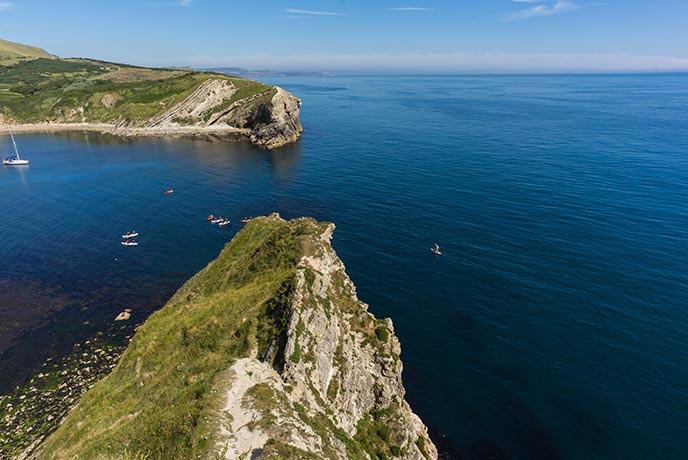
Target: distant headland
(41,92)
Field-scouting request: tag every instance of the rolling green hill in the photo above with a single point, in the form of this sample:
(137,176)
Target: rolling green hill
(11,53)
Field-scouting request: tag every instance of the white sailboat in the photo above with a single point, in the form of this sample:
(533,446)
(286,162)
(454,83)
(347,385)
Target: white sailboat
(15,160)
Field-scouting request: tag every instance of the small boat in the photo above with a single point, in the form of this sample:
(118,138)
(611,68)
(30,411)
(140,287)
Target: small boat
(169,192)
(216,220)
(130,234)
(15,160)
(223,222)
(129,243)
(209,218)
(246,220)
(436,249)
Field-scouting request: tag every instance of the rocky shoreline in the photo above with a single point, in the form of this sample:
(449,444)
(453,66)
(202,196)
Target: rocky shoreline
(34,410)
(48,127)
(226,133)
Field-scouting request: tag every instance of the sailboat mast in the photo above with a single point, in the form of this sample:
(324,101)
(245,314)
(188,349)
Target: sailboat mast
(16,150)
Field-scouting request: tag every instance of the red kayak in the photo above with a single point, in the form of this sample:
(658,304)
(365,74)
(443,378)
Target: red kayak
(245,220)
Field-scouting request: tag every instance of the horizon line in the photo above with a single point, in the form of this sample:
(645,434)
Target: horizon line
(401,72)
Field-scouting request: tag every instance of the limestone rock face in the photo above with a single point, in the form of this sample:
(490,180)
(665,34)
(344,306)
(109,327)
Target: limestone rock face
(339,378)
(284,126)
(192,109)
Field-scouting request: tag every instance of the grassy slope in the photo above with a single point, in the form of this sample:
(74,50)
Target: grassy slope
(75,90)
(153,403)
(11,53)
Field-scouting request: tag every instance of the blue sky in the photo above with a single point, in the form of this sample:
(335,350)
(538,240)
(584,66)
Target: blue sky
(360,35)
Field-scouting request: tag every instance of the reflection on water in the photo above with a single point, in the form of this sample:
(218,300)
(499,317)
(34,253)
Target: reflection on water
(20,171)
(93,138)
(285,163)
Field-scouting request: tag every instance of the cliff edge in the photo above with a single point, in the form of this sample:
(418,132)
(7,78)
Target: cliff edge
(265,353)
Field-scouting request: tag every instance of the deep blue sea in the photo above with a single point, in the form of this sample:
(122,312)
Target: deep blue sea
(553,326)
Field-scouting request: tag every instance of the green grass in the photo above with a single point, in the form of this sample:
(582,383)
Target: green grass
(136,101)
(333,388)
(377,435)
(382,333)
(420,442)
(153,404)
(278,450)
(300,329)
(11,53)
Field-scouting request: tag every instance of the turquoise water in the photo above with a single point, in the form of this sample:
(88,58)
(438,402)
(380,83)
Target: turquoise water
(553,326)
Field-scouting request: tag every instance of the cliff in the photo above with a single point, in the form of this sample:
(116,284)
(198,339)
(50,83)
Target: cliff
(265,353)
(47,93)
(284,126)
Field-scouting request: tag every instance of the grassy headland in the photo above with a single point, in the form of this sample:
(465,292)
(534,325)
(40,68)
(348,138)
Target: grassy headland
(88,91)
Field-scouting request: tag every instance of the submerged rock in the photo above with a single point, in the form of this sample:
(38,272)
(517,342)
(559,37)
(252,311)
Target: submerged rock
(125,315)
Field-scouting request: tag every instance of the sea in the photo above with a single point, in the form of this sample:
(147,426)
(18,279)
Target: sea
(554,325)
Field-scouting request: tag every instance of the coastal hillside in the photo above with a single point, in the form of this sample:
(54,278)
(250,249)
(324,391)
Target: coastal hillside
(265,353)
(12,53)
(45,92)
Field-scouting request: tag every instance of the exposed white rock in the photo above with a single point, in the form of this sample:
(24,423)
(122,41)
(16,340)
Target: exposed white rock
(123,316)
(240,436)
(208,95)
(335,367)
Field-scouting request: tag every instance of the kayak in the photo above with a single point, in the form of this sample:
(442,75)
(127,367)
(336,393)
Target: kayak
(130,235)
